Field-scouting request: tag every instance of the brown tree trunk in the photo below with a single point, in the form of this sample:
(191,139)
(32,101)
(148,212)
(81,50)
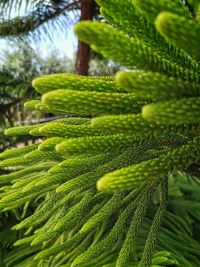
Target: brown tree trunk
(83,53)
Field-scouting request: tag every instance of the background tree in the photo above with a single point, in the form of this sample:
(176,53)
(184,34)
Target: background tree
(83,54)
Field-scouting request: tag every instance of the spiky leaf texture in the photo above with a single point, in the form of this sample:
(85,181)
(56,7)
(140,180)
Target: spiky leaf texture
(125,146)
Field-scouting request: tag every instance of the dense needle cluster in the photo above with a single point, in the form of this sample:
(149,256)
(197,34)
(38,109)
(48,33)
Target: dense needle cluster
(114,178)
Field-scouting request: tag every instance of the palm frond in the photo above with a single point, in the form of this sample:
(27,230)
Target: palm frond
(38,16)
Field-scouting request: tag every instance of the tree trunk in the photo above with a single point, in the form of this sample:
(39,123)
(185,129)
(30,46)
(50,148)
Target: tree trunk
(83,53)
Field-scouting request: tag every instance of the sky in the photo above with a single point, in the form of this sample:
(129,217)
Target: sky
(64,44)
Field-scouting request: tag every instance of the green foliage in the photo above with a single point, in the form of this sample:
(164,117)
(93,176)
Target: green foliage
(116,177)
(169,25)
(49,83)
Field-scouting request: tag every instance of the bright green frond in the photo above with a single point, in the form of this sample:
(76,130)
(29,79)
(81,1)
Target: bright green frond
(179,30)
(140,174)
(151,9)
(181,112)
(155,85)
(52,82)
(93,103)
